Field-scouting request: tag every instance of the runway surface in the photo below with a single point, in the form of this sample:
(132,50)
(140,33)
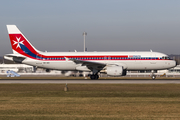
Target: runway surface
(90,81)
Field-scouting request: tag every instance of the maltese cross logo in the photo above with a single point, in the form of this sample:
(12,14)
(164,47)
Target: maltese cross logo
(18,42)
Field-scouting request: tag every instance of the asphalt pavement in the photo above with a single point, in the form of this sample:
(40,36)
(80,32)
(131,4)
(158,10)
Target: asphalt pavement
(75,81)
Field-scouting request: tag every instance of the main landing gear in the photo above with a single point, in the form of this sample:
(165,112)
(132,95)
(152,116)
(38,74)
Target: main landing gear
(94,76)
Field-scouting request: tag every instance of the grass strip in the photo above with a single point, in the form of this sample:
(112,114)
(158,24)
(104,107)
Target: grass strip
(89,101)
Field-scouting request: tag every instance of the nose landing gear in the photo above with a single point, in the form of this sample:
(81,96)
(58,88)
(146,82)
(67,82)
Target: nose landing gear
(153,77)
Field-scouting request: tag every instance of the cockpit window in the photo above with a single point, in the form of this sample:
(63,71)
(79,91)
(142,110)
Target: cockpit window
(166,58)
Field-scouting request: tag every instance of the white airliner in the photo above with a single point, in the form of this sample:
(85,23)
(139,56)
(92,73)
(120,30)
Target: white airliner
(112,63)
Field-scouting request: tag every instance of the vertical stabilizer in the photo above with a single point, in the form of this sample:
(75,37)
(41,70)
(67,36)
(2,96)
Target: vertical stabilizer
(19,42)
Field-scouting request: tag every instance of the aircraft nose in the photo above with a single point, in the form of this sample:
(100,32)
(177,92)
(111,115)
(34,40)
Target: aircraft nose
(175,63)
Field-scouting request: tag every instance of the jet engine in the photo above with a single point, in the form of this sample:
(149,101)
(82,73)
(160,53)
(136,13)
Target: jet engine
(115,71)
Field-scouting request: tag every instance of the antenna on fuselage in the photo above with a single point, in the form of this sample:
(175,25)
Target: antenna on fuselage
(151,50)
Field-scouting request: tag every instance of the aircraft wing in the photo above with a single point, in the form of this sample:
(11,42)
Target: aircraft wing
(89,64)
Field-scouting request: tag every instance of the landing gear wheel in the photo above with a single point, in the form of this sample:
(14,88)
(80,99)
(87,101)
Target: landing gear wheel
(153,77)
(94,77)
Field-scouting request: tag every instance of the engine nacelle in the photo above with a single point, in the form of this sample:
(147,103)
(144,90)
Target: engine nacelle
(114,70)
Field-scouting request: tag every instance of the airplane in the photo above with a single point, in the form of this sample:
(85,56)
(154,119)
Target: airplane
(112,63)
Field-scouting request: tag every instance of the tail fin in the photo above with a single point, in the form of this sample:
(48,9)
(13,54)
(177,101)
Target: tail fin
(19,43)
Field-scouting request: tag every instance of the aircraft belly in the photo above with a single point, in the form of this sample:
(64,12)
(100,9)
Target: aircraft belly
(129,65)
(145,65)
